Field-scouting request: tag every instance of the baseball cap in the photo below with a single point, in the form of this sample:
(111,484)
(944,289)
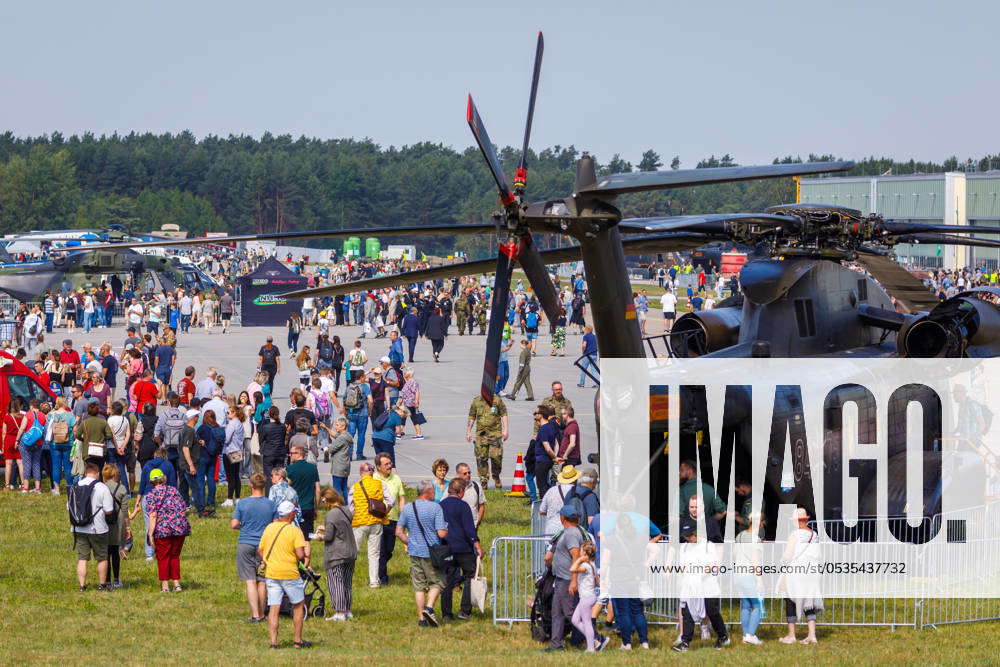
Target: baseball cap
(191,413)
(385,360)
(156,474)
(569,512)
(285,507)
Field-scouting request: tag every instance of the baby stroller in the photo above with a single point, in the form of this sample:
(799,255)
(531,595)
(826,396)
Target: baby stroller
(315,598)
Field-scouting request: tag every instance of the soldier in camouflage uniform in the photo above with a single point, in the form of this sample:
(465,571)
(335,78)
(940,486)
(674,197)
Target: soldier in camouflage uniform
(490,427)
(557,401)
(461,313)
(480,316)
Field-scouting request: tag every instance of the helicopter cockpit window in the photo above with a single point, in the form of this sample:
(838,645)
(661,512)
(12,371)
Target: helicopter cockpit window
(862,289)
(25,388)
(191,279)
(105,260)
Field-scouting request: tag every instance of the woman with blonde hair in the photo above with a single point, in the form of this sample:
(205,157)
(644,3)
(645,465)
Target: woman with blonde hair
(340,551)
(119,531)
(232,452)
(303,361)
(59,432)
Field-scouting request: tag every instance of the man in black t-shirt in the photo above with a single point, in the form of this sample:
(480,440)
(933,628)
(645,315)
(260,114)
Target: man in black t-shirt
(301,412)
(270,360)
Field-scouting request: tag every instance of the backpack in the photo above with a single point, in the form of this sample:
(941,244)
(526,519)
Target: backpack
(354,397)
(326,351)
(380,421)
(575,500)
(296,326)
(531,319)
(357,358)
(322,403)
(60,430)
(116,505)
(34,434)
(173,425)
(81,511)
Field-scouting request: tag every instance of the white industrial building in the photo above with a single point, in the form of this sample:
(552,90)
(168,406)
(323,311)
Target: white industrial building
(954,198)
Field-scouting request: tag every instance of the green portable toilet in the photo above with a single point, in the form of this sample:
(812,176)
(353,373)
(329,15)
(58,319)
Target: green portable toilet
(352,246)
(373,248)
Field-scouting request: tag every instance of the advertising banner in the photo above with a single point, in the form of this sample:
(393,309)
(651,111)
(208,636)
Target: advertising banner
(261,304)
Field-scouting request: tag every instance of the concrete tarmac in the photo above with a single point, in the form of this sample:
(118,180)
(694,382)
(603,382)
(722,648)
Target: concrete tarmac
(446,388)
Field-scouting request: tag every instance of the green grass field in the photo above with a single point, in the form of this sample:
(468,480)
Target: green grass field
(46,620)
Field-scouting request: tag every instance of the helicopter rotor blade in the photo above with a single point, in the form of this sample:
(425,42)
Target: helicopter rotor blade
(498,317)
(652,243)
(637,181)
(489,153)
(423,230)
(899,227)
(949,239)
(897,281)
(713,222)
(538,277)
(521,174)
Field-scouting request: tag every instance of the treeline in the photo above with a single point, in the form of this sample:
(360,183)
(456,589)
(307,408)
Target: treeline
(242,184)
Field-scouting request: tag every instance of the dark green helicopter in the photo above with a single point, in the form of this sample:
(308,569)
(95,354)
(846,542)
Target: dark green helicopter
(84,268)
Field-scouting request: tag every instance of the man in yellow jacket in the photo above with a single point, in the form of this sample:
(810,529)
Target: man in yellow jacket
(366,492)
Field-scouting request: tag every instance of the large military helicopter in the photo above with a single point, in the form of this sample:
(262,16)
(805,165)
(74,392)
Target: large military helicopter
(81,264)
(800,296)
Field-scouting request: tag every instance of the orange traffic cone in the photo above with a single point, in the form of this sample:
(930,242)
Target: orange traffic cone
(518,488)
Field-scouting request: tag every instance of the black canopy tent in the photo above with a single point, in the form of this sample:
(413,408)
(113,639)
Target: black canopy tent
(260,301)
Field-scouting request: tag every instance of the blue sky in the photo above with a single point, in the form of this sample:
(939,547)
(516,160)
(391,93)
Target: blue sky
(757,80)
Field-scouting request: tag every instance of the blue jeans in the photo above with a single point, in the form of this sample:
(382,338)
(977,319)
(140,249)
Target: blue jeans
(185,323)
(48,322)
(117,461)
(148,546)
(630,617)
(357,426)
(589,361)
(109,313)
(293,341)
(532,489)
(62,465)
(88,321)
(222,473)
(340,486)
(206,481)
(503,374)
(197,491)
(751,613)
(384,446)
(99,316)
(32,459)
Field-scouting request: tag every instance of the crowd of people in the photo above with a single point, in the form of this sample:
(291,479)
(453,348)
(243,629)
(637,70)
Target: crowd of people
(128,435)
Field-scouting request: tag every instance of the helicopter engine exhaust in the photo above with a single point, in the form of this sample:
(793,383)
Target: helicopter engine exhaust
(966,325)
(699,333)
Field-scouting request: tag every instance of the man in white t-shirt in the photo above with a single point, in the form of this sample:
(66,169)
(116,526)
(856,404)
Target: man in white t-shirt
(555,497)
(668,302)
(93,537)
(135,313)
(474,495)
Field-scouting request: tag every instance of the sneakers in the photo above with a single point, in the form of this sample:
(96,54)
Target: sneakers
(416,437)
(104,587)
(625,647)
(752,639)
(422,624)
(530,399)
(644,645)
(336,617)
(722,642)
(463,616)
(603,643)
(680,647)
(228,502)
(430,617)
(117,584)
(54,491)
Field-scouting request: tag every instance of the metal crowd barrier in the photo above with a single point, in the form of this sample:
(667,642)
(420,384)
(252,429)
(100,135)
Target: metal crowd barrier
(518,561)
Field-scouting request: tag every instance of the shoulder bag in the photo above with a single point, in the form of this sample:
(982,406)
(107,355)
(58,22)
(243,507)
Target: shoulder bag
(441,556)
(262,565)
(376,507)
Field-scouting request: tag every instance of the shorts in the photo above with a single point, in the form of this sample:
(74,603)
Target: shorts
(669,314)
(424,575)
(164,376)
(531,335)
(277,588)
(226,317)
(85,543)
(247,560)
